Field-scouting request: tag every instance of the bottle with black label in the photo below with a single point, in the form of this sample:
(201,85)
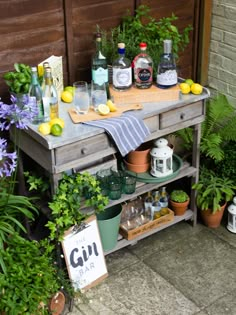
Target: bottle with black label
(143,68)
(166,71)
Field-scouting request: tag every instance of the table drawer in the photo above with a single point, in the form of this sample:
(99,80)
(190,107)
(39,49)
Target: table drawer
(82,149)
(181,114)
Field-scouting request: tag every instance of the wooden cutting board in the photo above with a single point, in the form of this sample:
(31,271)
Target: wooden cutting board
(153,94)
(92,115)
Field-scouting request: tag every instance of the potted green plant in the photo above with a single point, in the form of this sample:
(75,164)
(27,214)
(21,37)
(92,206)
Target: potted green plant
(18,80)
(179,201)
(78,196)
(142,27)
(213,193)
(29,280)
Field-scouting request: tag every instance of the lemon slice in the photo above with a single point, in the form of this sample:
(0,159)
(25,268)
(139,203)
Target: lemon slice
(112,106)
(103,109)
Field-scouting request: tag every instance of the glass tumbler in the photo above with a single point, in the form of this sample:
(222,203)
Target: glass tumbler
(98,95)
(81,97)
(115,188)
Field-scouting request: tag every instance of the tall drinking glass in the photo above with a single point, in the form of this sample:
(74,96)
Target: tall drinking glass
(98,94)
(81,97)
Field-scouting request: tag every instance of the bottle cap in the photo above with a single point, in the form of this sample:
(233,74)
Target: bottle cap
(121,45)
(34,69)
(167,46)
(142,45)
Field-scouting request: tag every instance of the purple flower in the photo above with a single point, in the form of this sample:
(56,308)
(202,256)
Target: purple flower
(8,161)
(18,114)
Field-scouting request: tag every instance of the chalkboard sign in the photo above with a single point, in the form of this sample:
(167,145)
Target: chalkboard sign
(84,255)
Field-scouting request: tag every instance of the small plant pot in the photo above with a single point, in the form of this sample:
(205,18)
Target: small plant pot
(57,303)
(212,220)
(139,156)
(179,208)
(137,168)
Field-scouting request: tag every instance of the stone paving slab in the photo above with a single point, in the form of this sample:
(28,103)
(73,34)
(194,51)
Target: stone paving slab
(179,271)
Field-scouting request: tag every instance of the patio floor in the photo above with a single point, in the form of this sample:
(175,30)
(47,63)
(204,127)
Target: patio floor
(179,271)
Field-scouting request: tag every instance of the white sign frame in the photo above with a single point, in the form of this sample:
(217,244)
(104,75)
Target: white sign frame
(84,255)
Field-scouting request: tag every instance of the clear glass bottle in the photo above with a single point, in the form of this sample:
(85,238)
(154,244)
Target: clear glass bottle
(122,72)
(50,97)
(143,68)
(45,65)
(148,201)
(156,206)
(166,71)
(163,198)
(99,63)
(35,93)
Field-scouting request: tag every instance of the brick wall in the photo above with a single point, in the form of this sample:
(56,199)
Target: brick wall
(222,61)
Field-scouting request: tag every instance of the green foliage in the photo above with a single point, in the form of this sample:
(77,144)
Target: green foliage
(13,210)
(30,278)
(36,183)
(179,196)
(218,128)
(213,191)
(142,27)
(74,192)
(227,166)
(20,79)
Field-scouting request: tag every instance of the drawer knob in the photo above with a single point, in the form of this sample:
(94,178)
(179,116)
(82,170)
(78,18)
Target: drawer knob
(182,115)
(84,150)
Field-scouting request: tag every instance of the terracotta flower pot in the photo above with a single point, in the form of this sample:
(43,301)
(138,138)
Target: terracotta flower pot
(57,303)
(212,220)
(139,156)
(137,168)
(179,208)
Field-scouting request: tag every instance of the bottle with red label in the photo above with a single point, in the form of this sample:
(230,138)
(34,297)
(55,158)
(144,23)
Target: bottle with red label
(143,68)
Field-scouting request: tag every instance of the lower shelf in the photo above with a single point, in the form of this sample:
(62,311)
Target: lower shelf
(122,242)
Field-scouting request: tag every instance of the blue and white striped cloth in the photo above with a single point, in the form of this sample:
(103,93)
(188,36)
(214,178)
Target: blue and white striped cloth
(127,131)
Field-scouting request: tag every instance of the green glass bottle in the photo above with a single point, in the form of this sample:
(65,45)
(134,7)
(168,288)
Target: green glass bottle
(35,93)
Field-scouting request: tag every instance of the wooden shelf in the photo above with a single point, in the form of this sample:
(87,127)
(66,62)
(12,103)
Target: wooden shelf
(122,242)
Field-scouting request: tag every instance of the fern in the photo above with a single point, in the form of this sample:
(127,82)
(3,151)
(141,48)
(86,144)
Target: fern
(218,127)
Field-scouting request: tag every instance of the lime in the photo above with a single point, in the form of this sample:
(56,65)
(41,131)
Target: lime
(58,121)
(66,96)
(111,105)
(56,130)
(196,88)
(69,89)
(103,109)
(44,129)
(185,88)
(189,81)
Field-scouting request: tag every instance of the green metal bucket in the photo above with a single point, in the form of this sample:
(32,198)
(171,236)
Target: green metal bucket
(108,224)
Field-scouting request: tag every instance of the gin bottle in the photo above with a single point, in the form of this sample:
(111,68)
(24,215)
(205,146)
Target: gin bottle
(99,64)
(50,98)
(166,71)
(143,68)
(122,73)
(35,93)
(163,199)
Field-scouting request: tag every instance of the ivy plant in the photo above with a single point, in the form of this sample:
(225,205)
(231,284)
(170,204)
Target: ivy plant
(75,192)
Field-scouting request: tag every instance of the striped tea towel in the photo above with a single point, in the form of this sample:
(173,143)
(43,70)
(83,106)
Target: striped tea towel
(127,131)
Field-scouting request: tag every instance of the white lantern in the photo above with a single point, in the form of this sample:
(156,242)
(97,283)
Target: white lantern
(161,159)
(232,217)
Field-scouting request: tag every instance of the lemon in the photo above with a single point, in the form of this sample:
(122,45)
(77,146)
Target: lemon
(56,130)
(44,129)
(66,96)
(196,88)
(189,81)
(58,121)
(112,106)
(185,88)
(103,109)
